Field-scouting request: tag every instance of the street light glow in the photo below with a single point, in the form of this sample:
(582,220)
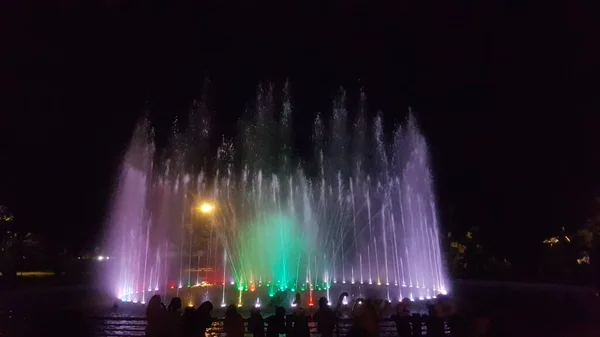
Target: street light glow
(206,208)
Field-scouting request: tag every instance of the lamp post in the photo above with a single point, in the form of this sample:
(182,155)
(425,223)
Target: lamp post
(207,209)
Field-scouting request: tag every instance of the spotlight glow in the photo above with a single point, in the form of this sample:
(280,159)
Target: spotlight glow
(206,208)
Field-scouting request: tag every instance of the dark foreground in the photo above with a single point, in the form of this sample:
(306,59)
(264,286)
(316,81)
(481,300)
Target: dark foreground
(514,310)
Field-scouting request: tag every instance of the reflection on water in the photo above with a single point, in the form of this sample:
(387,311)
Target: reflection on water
(136,326)
(129,320)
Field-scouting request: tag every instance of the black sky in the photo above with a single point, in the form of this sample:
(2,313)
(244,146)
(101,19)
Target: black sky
(503,91)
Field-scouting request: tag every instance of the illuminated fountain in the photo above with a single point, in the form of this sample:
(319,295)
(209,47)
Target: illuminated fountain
(362,219)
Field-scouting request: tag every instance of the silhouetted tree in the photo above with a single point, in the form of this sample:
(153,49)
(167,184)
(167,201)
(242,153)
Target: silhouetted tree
(467,257)
(588,242)
(16,247)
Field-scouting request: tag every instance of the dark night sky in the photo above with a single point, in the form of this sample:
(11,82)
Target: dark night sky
(503,92)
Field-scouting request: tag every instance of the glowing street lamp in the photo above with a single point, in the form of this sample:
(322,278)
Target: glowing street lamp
(206,208)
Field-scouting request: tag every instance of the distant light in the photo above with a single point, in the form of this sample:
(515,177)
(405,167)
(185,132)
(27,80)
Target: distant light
(293,305)
(421,298)
(223,305)
(345,301)
(108,257)
(359,302)
(329,303)
(156,289)
(143,302)
(100,258)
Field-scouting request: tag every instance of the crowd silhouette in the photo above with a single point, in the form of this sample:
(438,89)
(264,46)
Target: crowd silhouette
(363,317)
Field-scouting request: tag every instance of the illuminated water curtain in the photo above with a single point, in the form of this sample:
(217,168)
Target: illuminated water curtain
(363,213)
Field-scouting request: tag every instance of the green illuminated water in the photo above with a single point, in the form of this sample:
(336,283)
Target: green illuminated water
(269,250)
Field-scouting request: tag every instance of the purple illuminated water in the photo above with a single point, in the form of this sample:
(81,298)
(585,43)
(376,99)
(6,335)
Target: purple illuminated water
(364,217)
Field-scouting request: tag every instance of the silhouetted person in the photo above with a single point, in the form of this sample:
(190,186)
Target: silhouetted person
(277,300)
(203,319)
(188,321)
(357,330)
(233,325)
(256,323)
(402,318)
(435,321)
(417,324)
(299,323)
(430,308)
(276,323)
(325,318)
(156,317)
(174,321)
(369,320)
(175,305)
